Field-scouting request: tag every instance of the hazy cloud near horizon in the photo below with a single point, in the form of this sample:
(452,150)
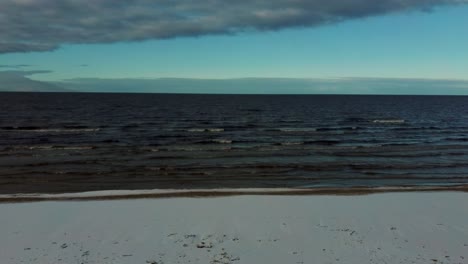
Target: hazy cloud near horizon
(14,66)
(22,73)
(44,25)
(17,81)
(271,86)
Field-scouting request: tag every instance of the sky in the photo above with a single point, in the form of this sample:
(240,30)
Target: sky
(217,39)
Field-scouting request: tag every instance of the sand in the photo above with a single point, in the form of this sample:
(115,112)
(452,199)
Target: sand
(377,228)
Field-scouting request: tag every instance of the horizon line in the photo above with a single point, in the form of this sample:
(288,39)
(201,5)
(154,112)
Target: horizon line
(270,78)
(247,94)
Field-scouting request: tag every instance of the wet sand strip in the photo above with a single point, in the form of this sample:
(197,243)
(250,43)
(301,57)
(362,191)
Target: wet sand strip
(206,193)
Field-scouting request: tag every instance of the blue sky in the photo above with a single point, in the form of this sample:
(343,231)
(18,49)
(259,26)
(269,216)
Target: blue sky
(408,44)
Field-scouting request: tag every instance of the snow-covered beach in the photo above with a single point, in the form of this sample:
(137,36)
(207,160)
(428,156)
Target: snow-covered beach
(411,227)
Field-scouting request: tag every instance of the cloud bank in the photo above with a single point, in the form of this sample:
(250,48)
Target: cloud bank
(271,86)
(44,25)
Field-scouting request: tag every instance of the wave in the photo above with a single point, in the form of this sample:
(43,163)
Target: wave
(322,142)
(312,129)
(416,128)
(74,129)
(393,154)
(355,120)
(415,166)
(205,130)
(366,120)
(398,144)
(130,126)
(68,130)
(252,110)
(379,170)
(289,143)
(194,148)
(222,141)
(389,121)
(291,121)
(462,139)
(110,141)
(215,141)
(19,128)
(321,129)
(163,136)
(240,126)
(54,147)
(291,129)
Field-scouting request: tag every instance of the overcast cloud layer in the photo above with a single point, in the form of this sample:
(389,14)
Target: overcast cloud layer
(42,25)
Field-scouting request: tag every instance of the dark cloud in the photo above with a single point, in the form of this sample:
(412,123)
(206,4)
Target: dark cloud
(23,73)
(19,46)
(42,25)
(14,66)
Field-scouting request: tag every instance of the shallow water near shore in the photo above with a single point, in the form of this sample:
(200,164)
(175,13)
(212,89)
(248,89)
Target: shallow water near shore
(72,142)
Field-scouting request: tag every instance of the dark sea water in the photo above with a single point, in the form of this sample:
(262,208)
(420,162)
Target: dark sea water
(54,142)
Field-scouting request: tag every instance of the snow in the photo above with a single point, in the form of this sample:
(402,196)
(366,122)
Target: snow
(379,228)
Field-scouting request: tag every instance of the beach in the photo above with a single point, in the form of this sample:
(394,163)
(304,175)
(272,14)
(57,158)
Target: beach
(233,132)
(398,227)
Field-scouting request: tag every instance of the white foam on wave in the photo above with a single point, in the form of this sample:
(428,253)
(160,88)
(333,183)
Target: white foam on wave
(291,143)
(60,148)
(76,148)
(389,121)
(187,148)
(59,130)
(222,141)
(196,130)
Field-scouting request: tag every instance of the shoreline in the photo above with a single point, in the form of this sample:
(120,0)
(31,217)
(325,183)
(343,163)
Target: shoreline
(221,192)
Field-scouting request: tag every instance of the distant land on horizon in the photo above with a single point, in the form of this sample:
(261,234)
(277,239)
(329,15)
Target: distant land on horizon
(19,81)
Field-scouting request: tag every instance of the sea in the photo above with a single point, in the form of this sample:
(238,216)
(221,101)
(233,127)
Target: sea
(71,142)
